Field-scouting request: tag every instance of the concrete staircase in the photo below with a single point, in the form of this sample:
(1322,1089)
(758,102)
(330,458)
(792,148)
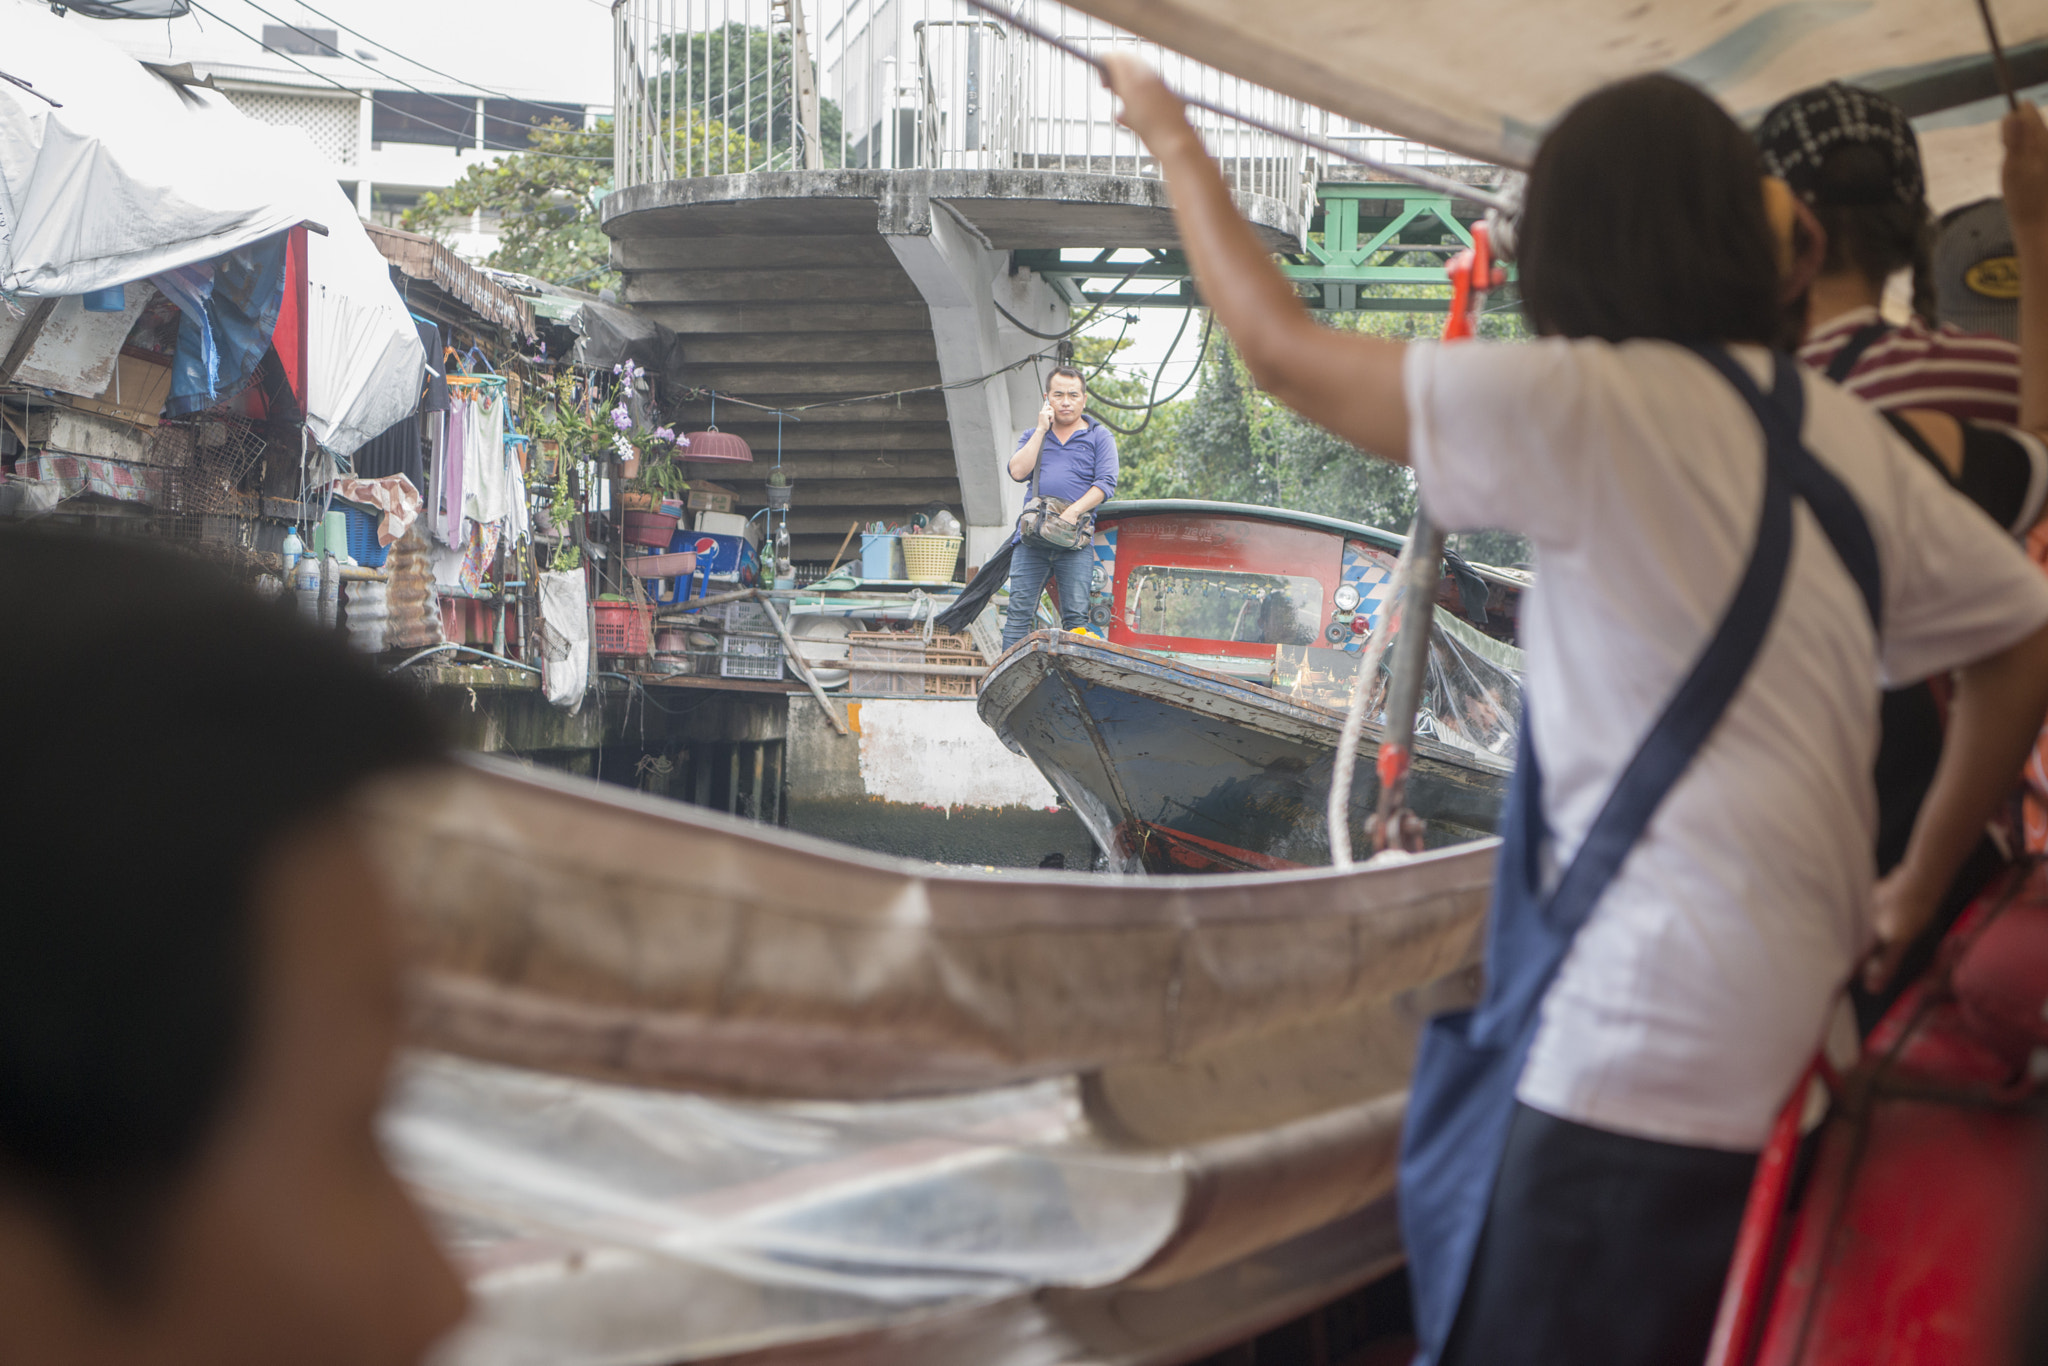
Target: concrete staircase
(801,289)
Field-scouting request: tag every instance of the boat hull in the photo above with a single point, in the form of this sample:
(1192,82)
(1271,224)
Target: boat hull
(1177,769)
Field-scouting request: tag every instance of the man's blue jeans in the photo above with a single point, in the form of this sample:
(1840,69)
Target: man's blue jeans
(1029,566)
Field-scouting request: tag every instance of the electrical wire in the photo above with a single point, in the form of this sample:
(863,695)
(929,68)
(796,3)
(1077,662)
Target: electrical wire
(1114,347)
(1154,402)
(1164,361)
(410,61)
(1086,318)
(357,93)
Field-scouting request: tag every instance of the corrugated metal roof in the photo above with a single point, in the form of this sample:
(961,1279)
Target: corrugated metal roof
(422,258)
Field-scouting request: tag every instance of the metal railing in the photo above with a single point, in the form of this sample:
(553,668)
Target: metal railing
(718,87)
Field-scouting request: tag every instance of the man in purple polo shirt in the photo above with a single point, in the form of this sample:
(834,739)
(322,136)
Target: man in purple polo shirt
(1080,470)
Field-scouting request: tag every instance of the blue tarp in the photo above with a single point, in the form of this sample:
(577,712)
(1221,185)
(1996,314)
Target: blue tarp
(229,307)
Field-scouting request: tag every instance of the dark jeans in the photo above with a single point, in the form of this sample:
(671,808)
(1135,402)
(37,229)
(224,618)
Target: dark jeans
(1029,567)
(1599,1250)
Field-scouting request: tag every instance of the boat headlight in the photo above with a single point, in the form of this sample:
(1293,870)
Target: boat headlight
(1347,596)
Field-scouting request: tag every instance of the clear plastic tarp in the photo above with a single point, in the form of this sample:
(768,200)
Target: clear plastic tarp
(605,1223)
(1472,699)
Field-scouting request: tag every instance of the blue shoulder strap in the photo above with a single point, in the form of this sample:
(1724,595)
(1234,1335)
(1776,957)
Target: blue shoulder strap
(1696,707)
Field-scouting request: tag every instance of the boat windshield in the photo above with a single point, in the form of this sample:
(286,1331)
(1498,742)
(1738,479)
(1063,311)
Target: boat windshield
(1217,604)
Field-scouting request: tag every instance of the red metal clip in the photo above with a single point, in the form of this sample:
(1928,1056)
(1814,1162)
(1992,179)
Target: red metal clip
(1473,274)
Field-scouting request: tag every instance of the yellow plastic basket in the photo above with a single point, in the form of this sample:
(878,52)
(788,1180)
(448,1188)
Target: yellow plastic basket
(930,559)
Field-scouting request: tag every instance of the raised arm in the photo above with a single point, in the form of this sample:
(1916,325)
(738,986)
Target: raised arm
(1025,458)
(1347,383)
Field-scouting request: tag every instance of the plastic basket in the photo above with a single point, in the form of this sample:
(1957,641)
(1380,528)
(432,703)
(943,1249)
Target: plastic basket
(362,539)
(930,559)
(748,656)
(622,629)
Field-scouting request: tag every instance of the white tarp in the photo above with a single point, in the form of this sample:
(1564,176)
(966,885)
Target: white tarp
(1485,77)
(133,176)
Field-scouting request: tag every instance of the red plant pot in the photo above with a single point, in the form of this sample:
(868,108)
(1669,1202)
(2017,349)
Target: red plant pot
(650,528)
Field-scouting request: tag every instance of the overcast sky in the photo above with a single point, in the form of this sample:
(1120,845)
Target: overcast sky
(530,49)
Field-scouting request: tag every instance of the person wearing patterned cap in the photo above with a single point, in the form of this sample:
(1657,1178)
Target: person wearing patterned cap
(1851,156)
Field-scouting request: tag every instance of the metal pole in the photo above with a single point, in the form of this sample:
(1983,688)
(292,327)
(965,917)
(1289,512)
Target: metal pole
(806,88)
(1393,825)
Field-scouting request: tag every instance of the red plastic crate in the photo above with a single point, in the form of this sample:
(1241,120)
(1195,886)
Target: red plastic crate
(622,629)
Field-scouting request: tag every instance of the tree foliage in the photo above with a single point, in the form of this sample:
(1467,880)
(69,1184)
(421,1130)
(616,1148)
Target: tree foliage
(744,77)
(545,200)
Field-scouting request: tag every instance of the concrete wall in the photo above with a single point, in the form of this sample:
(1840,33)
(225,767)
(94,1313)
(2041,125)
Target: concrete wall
(925,779)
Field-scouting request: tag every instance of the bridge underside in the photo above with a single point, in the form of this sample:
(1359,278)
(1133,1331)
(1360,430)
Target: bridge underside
(814,291)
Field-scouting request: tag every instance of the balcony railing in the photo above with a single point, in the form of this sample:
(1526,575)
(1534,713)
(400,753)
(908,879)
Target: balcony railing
(721,87)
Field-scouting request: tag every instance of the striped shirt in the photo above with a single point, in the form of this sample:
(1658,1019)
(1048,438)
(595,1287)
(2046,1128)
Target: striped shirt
(1963,374)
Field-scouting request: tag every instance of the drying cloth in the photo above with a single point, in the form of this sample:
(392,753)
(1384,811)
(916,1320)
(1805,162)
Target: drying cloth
(477,556)
(393,494)
(486,488)
(434,398)
(395,450)
(448,485)
(564,638)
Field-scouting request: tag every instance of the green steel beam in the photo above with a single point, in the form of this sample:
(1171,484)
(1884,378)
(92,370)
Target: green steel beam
(1359,250)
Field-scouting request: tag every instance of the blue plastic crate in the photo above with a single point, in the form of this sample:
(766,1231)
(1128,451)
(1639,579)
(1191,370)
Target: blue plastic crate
(362,539)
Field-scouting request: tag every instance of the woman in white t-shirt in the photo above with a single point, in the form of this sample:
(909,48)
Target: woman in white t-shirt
(1586,1212)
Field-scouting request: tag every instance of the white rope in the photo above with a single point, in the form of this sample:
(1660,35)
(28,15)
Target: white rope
(1339,810)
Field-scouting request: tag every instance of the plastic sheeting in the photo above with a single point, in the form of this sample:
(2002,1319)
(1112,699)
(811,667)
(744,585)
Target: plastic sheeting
(1471,698)
(135,176)
(1485,77)
(760,1223)
(565,638)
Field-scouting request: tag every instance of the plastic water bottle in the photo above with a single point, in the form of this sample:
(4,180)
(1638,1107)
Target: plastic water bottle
(306,586)
(294,548)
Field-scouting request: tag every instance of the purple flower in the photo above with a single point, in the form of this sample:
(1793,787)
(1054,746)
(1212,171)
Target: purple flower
(664,434)
(622,419)
(682,443)
(618,369)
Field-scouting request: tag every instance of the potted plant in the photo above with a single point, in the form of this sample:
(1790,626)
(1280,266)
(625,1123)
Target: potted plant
(779,488)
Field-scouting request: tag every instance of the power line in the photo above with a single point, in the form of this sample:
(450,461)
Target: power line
(410,61)
(467,107)
(1153,403)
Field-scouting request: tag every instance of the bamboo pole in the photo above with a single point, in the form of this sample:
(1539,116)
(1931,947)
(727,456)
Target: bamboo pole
(878,667)
(842,548)
(797,665)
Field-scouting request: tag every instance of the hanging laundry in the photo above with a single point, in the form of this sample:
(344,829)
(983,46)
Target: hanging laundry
(478,553)
(396,450)
(486,489)
(435,397)
(448,487)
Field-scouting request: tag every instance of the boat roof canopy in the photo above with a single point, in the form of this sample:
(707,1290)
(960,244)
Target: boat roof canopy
(1119,509)
(1486,77)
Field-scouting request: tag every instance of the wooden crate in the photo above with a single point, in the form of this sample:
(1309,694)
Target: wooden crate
(884,647)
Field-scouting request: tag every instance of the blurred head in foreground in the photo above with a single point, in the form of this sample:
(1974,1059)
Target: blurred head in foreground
(199,997)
